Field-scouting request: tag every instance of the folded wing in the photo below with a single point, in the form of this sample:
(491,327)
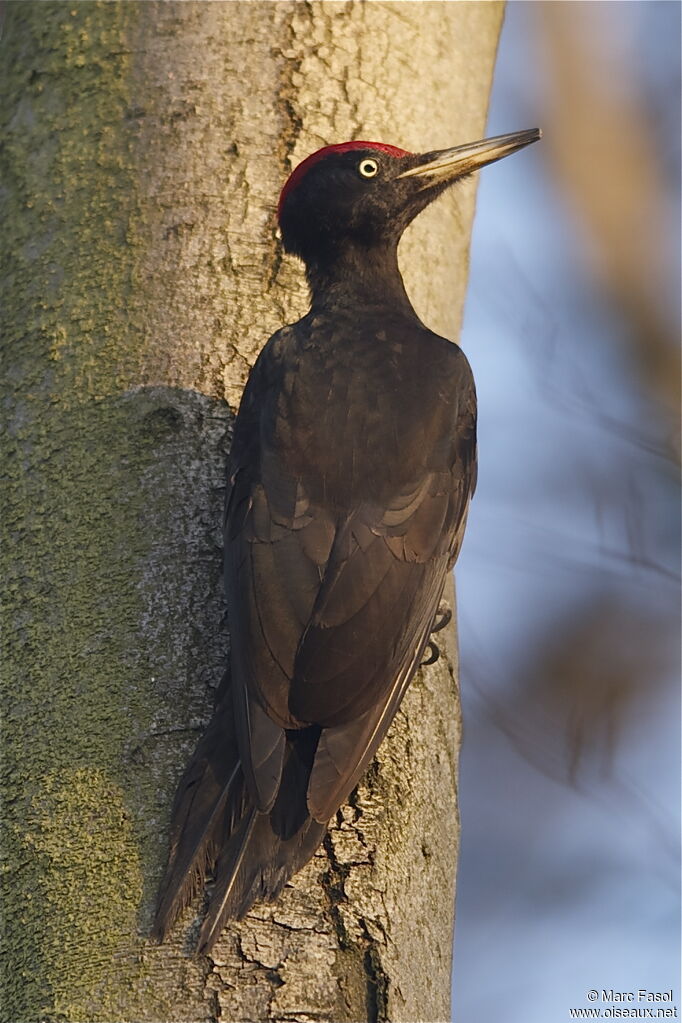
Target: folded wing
(331,608)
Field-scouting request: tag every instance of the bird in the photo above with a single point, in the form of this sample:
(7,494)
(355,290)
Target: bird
(352,466)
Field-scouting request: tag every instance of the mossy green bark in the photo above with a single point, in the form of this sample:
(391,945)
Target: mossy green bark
(142,146)
(70,844)
(83,464)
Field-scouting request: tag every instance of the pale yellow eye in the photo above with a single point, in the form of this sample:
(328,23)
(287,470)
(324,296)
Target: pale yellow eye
(368,168)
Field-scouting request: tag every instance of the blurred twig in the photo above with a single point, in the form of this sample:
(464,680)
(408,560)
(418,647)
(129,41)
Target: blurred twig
(611,166)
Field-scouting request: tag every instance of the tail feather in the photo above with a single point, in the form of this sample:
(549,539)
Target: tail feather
(208,802)
(215,827)
(256,864)
(234,880)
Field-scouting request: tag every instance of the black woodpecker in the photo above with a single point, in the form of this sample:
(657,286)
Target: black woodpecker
(350,476)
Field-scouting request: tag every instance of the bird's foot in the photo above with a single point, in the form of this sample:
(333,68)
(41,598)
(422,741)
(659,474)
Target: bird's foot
(434,654)
(442,619)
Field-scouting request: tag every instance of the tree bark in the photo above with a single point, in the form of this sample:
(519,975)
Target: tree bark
(144,145)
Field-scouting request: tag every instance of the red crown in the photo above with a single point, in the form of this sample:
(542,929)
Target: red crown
(300,172)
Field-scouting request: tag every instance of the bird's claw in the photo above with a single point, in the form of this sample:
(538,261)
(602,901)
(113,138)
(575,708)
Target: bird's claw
(433,656)
(442,619)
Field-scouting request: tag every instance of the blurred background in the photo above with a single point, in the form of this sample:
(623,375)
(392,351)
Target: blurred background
(568,583)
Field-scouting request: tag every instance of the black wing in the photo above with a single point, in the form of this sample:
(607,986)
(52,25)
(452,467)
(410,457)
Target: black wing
(331,607)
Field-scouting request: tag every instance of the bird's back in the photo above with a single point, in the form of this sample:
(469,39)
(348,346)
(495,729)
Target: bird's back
(357,407)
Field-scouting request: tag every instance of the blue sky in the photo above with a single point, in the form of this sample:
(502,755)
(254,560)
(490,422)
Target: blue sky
(565,884)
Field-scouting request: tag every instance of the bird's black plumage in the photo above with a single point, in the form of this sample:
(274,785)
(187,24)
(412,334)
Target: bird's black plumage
(350,475)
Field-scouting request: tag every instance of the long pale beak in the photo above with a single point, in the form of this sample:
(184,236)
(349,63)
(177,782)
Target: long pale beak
(448,164)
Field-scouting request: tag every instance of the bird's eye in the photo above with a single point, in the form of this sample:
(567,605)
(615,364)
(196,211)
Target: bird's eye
(368,168)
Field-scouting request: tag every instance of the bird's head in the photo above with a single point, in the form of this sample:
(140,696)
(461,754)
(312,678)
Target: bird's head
(366,193)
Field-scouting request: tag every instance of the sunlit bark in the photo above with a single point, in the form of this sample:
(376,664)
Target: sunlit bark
(143,148)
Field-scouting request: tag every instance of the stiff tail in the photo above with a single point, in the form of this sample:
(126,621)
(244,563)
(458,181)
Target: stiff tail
(234,879)
(215,827)
(209,801)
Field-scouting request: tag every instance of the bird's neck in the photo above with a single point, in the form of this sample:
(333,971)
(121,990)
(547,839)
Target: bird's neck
(358,278)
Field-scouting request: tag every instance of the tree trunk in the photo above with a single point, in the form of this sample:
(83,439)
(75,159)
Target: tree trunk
(144,145)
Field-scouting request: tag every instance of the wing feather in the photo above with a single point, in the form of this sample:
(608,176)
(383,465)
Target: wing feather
(345,752)
(331,604)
